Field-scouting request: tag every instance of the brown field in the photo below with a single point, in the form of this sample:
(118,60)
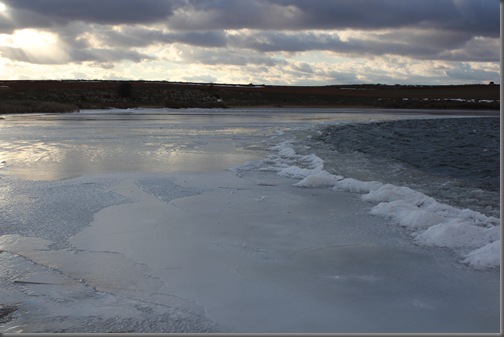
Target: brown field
(69,95)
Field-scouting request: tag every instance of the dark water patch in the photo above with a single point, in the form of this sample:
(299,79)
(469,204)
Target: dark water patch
(462,148)
(454,160)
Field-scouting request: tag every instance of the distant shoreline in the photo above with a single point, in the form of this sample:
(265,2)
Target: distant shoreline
(74,95)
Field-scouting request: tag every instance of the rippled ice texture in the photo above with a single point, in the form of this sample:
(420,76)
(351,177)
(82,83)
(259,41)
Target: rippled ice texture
(184,221)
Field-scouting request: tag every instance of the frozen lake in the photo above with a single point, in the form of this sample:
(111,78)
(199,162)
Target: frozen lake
(214,221)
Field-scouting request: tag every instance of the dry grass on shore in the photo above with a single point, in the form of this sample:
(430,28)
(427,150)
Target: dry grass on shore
(31,106)
(72,95)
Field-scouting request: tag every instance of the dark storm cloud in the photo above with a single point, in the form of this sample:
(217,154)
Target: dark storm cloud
(479,17)
(475,16)
(231,14)
(306,14)
(45,13)
(140,37)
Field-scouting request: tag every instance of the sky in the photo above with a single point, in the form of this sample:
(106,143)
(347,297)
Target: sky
(274,42)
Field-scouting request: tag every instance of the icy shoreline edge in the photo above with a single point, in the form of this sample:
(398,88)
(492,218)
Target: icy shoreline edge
(475,237)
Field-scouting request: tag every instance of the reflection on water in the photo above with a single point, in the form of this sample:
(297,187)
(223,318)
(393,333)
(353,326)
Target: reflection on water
(48,147)
(57,146)
(51,162)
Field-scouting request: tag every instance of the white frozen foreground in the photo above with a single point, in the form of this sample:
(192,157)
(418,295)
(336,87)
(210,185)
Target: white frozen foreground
(260,239)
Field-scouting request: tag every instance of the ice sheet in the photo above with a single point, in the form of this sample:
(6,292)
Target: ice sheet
(261,255)
(251,236)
